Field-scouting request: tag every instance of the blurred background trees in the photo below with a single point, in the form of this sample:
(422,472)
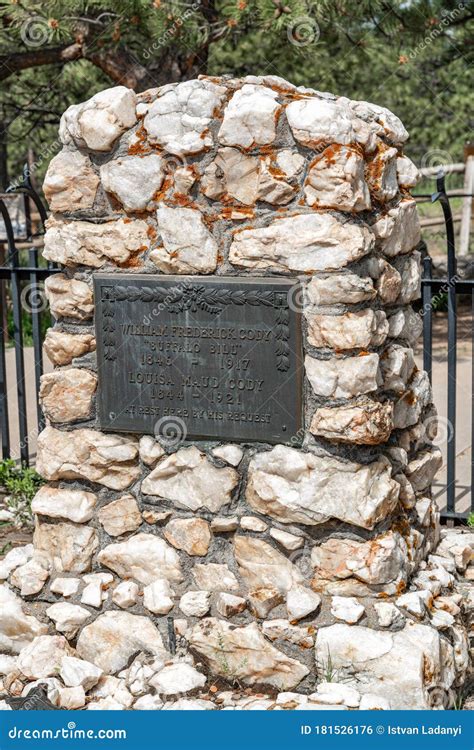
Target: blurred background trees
(411,56)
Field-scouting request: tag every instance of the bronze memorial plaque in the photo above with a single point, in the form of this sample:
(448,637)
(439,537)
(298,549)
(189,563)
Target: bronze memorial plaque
(216,358)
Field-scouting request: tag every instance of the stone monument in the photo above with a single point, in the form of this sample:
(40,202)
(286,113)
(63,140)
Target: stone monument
(238,450)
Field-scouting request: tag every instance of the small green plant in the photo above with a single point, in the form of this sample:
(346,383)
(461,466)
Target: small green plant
(226,670)
(439,302)
(470,520)
(327,672)
(20,484)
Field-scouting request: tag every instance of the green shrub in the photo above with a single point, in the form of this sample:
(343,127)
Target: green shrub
(20,484)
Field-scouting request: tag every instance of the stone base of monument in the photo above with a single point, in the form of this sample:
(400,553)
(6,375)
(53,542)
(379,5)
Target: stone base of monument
(239,447)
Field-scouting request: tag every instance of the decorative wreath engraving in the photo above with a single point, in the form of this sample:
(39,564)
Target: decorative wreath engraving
(196,297)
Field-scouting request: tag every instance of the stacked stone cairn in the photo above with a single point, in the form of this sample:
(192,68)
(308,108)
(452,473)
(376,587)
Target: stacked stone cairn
(214,575)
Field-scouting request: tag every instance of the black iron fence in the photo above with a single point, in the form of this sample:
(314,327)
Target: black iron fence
(21,279)
(455,495)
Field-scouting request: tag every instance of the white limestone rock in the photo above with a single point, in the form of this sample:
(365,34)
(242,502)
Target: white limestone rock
(397,364)
(148,703)
(68,298)
(158,597)
(387,613)
(65,587)
(405,324)
(455,546)
(409,268)
(401,667)
(335,693)
(302,243)
(442,620)
(72,698)
(143,557)
(357,330)
(292,486)
(229,605)
(351,568)
(385,122)
(188,479)
(177,678)
(413,602)
(398,231)
(110,460)
(67,617)
(343,378)
(371,702)
(339,288)
(365,423)
(61,502)
(125,594)
(336,180)
(179,119)
(66,395)
(68,547)
(224,524)
(347,608)
(120,516)
(7,664)
(382,173)
(389,282)
(282,630)
(214,577)
(17,629)
(95,592)
(14,558)
(250,117)
(301,602)
(252,523)
(61,347)
(290,162)
(314,121)
(189,534)
(422,470)
(248,657)
(408,173)
(97,123)
(231,454)
(70,184)
(43,656)
(85,243)
(150,450)
(133,180)
(114,637)
(262,566)
(288,541)
(188,245)
(263,600)
(195,603)
(31,577)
